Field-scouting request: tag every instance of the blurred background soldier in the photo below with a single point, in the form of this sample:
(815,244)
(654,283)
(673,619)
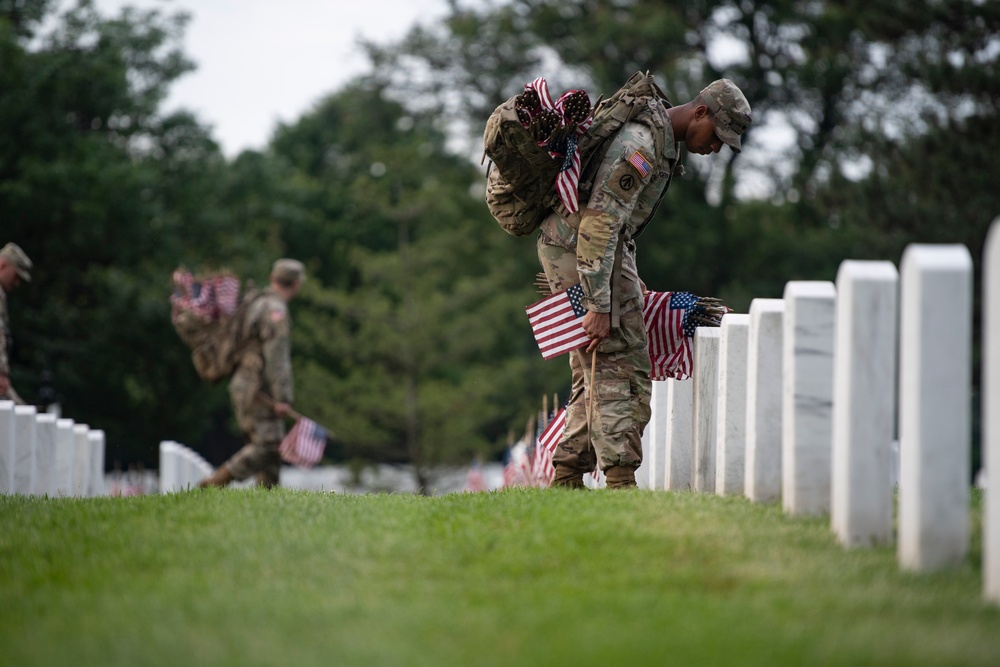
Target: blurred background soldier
(261,387)
(14,267)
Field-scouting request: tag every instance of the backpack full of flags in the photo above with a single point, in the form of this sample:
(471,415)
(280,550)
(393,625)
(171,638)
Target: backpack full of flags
(207,315)
(541,149)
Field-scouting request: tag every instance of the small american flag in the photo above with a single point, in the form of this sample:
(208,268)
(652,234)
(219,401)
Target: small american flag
(557,322)
(304,444)
(546,447)
(669,332)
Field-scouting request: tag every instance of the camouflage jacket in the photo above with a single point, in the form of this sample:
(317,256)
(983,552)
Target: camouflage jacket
(627,186)
(267,328)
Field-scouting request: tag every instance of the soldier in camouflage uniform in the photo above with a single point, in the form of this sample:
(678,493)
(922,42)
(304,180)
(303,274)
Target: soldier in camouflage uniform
(597,250)
(261,386)
(14,267)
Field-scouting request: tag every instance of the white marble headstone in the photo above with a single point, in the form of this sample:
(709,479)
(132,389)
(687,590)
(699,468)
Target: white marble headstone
(81,460)
(864,400)
(45,454)
(169,467)
(935,404)
(762,480)
(706,396)
(97,445)
(732,406)
(7,448)
(24,449)
(807,396)
(63,469)
(991,413)
(680,435)
(657,428)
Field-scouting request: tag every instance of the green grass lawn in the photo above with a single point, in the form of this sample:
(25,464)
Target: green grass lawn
(520,577)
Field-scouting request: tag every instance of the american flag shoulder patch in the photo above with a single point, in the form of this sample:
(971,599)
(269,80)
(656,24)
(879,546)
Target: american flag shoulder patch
(641,164)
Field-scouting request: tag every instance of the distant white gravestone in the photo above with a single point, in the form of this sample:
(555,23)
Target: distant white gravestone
(731,432)
(864,399)
(991,413)
(7,447)
(762,479)
(24,449)
(935,405)
(807,398)
(706,389)
(45,454)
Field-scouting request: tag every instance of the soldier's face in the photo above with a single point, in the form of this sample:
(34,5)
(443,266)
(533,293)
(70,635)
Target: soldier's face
(701,137)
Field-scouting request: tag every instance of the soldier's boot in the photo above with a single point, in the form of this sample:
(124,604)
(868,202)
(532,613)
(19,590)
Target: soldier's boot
(620,477)
(568,477)
(219,478)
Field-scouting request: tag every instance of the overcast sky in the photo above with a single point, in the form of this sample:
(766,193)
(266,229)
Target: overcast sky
(264,61)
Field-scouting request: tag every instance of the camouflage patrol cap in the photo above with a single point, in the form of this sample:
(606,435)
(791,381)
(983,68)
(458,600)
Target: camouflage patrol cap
(730,111)
(13,254)
(287,271)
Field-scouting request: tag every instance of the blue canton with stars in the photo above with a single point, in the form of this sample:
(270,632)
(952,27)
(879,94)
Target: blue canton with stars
(575,295)
(685,301)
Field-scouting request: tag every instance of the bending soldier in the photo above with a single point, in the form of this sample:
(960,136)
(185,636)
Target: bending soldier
(14,267)
(261,387)
(597,250)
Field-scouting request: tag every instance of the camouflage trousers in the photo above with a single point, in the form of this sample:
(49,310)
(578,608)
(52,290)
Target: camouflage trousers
(262,431)
(619,412)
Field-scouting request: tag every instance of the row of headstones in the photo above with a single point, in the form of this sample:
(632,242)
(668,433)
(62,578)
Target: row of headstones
(41,454)
(181,468)
(797,401)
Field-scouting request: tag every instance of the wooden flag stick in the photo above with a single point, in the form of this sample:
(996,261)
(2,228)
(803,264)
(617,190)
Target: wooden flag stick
(292,414)
(590,399)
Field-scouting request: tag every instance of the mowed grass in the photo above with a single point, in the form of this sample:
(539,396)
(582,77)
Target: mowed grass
(519,577)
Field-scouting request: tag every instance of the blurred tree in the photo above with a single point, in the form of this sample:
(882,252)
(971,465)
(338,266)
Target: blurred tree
(108,195)
(410,340)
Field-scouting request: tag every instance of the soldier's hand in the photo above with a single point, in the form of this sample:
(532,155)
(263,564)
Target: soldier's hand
(4,384)
(282,409)
(598,327)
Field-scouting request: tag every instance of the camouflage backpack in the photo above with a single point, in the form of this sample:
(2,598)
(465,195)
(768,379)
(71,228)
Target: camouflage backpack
(520,189)
(208,316)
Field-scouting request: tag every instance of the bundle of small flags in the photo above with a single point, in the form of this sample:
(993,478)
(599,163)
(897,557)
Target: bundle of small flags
(556,128)
(208,298)
(670,319)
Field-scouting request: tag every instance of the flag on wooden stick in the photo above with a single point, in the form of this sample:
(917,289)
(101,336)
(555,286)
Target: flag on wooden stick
(557,322)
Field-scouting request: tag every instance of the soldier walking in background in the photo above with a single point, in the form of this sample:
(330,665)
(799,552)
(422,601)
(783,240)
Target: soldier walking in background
(597,249)
(14,267)
(261,386)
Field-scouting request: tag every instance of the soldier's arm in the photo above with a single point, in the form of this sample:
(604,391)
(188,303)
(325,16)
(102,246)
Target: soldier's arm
(620,180)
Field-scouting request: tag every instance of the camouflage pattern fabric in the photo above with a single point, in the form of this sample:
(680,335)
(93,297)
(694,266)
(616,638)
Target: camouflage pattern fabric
(621,378)
(265,368)
(6,343)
